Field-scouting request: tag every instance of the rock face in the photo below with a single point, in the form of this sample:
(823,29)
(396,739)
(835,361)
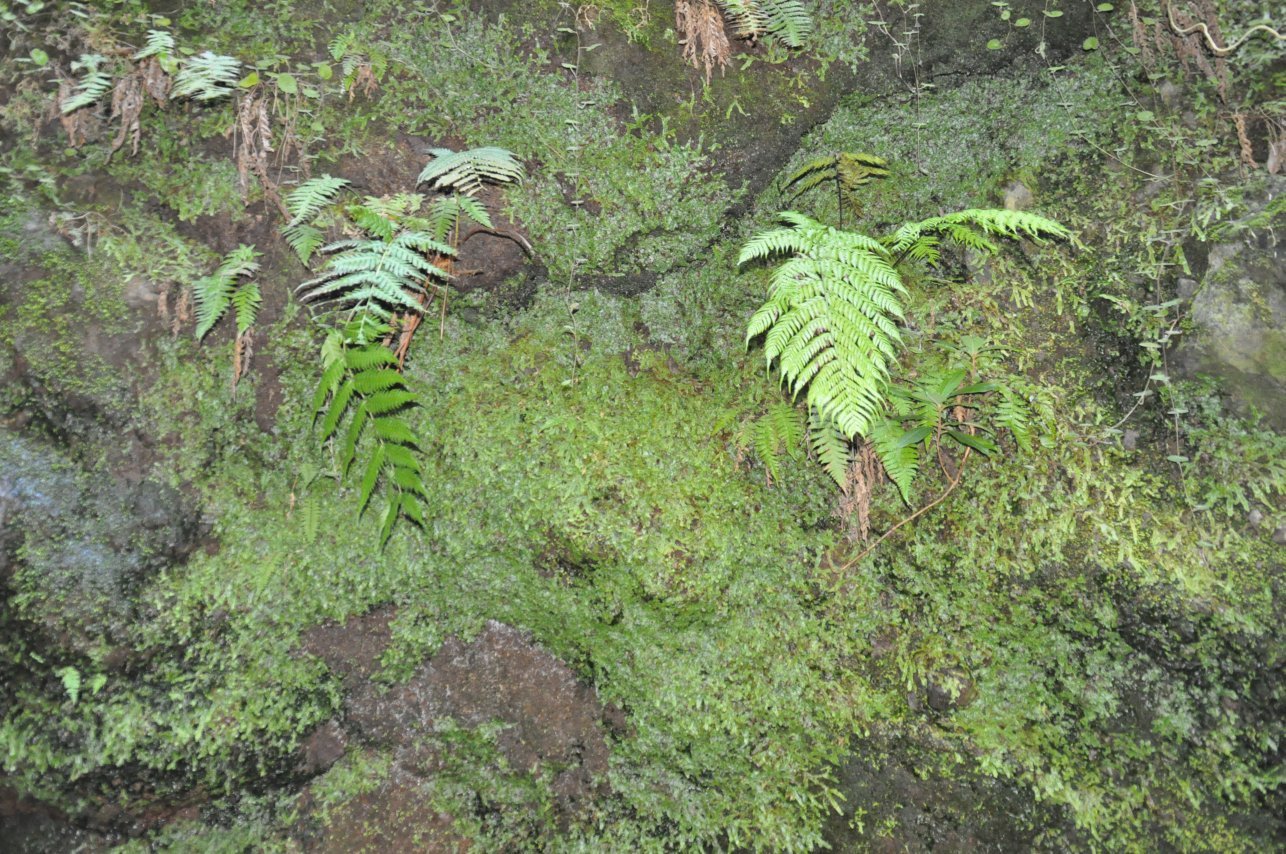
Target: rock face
(76,548)
(1239,309)
(552,724)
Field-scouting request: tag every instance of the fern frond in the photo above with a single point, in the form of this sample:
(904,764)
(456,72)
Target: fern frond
(1014,414)
(467,171)
(159,43)
(206,76)
(307,200)
(303,239)
(246,301)
(898,452)
(786,20)
(956,227)
(830,322)
(447,213)
(94,83)
(377,276)
(213,294)
(789,21)
(830,446)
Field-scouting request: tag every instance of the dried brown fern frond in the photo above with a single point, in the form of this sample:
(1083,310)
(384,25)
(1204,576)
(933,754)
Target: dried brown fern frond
(864,474)
(128,97)
(252,145)
(705,44)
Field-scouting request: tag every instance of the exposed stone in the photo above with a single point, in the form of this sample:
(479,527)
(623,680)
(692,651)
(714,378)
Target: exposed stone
(1239,311)
(554,722)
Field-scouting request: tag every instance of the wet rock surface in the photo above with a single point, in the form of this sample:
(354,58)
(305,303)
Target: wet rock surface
(890,805)
(78,545)
(1239,310)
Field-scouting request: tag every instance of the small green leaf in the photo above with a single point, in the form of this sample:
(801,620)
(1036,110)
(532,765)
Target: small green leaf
(1023,22)
(1090,43)
(310,92)
(913,437)
(1144,115)
(324,70)
(979,443)
(1053,13)
(39,57)
(1004,16)
(1177,458)
(994,44)
(287,84)
(250,81)
(1105,7)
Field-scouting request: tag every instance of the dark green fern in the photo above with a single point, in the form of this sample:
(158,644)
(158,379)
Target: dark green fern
(848,171)
(359,400)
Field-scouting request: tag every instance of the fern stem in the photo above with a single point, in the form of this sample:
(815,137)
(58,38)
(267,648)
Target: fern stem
(916,515)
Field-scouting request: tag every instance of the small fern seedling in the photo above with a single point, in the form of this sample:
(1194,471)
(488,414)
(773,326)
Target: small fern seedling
(847,170)
(226,288)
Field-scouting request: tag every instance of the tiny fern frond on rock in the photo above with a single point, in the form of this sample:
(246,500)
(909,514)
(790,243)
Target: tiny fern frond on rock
(206,76)
(213,294)
(467,171)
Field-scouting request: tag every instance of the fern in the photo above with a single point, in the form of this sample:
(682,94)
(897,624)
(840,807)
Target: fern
(786,20)
(831,318)
(304,203)
(359,398)
(159,43)
(448,212)
(778,432)
(375,276)
(849,172)
(831,447)
(94,83)
(830,326)
(466,171)
(970,229)
(215,293)
(206,76)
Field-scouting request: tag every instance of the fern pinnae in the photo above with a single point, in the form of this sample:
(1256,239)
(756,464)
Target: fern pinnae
(94,83)
(159,43)
(467,171)
(206,76)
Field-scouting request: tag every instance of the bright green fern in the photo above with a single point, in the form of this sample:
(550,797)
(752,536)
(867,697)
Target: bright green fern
(778,432)
(305,203)
(381,276)
(206,76)
(830,326)
(831,318)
